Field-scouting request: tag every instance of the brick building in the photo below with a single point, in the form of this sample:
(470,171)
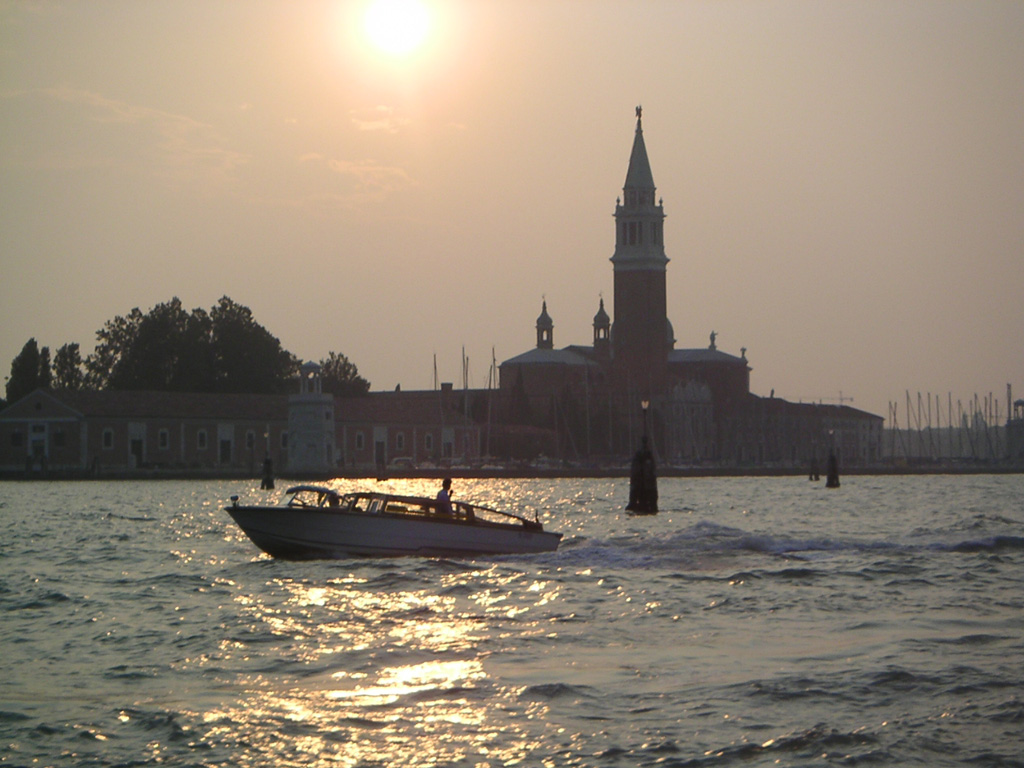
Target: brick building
(699,404)
(113,432)
(97,433)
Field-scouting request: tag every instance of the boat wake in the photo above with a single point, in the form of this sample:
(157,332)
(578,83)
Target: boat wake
(706,542)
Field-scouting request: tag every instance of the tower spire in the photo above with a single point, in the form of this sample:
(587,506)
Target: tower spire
(638,242)
(642,334)
(638,175)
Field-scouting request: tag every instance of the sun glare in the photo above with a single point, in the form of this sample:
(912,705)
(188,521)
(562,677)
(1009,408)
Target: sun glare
(397,27)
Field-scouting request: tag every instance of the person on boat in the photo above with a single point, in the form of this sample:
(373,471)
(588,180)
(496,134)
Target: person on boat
(444,497)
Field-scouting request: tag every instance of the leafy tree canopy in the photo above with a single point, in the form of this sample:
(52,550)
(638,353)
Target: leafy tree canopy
(170,349)
(339,376)
(246,357)
(29,371)
(68,370)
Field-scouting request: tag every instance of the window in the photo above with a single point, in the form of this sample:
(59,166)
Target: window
(250,440)
(400,441)
(164,439)
(108,438)
(17,439)
(284,441)
(59,439)
(201,439)
(428,442)
(360,441)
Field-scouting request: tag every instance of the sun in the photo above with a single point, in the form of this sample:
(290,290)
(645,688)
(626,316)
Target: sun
(397,27)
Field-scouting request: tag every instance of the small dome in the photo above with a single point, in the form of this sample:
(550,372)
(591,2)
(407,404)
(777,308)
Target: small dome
(601,319)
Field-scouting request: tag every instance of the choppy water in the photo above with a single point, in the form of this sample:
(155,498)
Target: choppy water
(751,622)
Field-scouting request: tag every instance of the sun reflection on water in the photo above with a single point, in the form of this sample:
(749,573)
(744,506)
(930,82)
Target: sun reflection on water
(358,670)
(436,679)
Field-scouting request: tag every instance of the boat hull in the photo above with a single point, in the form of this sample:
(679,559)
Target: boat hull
(321,533)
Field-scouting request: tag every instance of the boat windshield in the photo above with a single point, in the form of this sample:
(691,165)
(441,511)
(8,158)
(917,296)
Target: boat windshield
(313,496)
(355,503)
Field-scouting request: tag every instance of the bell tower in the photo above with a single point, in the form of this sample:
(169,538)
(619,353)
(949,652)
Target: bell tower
(545,329)
(602,332)
(641,335)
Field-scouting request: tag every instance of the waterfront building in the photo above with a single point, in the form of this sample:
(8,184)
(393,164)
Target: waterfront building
(588,404)
(113,432)
(124,433)
(699,407)
(1015,434)
(311,425)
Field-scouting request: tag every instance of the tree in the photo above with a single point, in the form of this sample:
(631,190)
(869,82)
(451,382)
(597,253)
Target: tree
(196,371)
(171,350)
(247,358)
(339,376)
(114,340)
(67,368)
(153,358)
(26,371)
(45,380)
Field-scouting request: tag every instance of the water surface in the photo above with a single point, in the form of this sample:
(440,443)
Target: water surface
(753,621)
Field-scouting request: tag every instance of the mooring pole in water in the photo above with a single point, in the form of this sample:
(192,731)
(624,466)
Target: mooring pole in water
(832,476)
(643,478)
(832,480)
(268,475)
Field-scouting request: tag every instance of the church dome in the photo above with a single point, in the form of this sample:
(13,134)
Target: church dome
(601,319)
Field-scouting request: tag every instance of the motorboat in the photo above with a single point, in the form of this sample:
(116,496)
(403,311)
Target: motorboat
(317,522)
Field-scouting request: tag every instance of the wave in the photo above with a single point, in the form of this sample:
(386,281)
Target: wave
(704,541)
(132,518)
(553,691)
(37,602)
(168,723)
(990,544)
(125,672)
(817,743)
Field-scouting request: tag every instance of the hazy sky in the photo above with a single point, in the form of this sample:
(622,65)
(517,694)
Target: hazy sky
(843,181)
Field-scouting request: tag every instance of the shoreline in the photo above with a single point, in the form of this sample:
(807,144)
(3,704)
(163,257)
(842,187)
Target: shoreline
(526,473)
